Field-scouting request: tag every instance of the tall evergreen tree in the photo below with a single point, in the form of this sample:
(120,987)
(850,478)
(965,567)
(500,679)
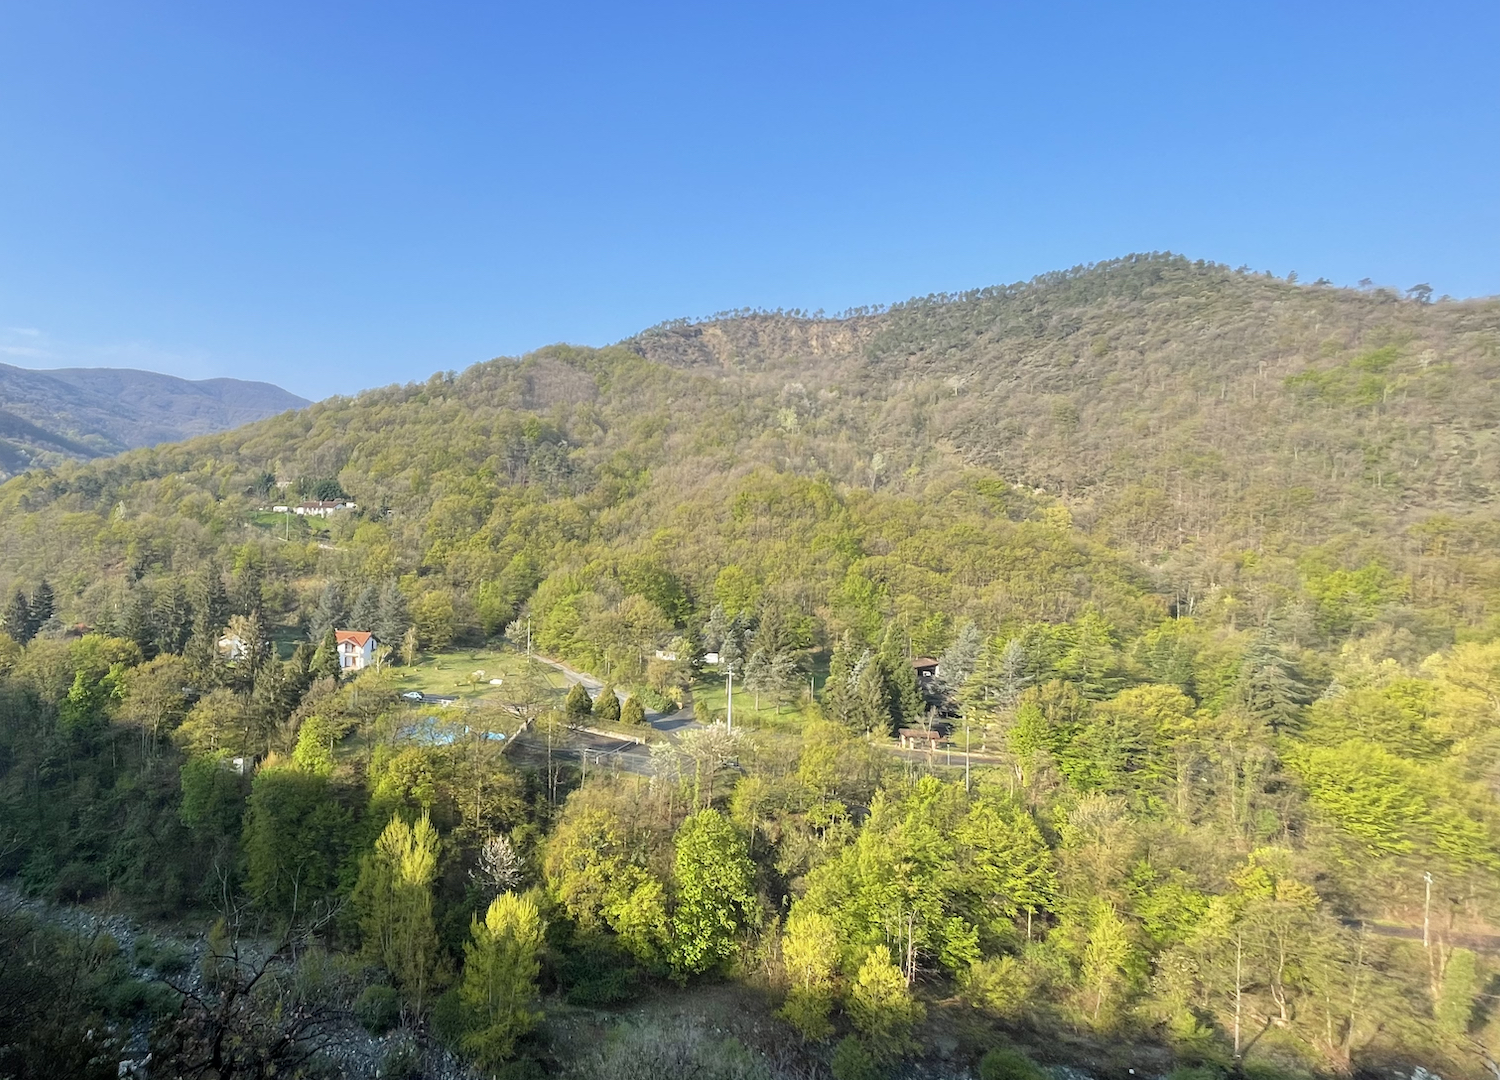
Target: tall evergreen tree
(134,620)
(577,706)
(210,602)
(331,612)
(392,617)
(366,610)
(172,618)
(501,963)
(959,660)
(42,607)
(17,618)
(248,597)
(394,899)
(325,659)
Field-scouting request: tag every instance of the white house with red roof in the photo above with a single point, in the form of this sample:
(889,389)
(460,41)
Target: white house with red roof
(356,649)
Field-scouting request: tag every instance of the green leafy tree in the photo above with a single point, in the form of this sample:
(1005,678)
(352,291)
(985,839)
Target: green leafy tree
(810,951)
(295,835)
(632,711)
(435,619)
(715,892)
(498,992)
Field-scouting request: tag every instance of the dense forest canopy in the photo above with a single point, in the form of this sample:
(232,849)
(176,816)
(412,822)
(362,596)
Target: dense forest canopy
(1208,561)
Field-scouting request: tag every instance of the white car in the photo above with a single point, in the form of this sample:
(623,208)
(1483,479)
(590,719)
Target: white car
(413,695)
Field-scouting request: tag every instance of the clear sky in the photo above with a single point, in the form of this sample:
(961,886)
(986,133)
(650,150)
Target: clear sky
(332,196)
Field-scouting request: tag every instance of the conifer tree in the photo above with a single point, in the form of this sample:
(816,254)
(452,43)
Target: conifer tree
(577,706)
(17,619)
(325,660)
(498,993)
(41,608)
(394,899)
(607,705)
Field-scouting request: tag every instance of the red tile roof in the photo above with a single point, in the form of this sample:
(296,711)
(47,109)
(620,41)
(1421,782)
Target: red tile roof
(360,638)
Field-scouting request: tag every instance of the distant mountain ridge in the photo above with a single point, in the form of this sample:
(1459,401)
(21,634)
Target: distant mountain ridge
(92,412)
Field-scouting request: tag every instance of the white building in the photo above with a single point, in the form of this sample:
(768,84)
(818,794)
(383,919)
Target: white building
(356,649)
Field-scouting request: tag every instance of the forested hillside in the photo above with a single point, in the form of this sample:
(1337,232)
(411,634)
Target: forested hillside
(51,416)
(1209,560)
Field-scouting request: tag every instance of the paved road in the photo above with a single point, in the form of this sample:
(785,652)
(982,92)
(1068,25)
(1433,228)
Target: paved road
(669,723)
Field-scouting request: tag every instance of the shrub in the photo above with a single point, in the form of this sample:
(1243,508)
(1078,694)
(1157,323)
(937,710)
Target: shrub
(402,1061)
(378,1009)
(1000,986)
(853,1060)
(448,1019)
(78,881)
(165,957)
(1008,1063)
(631,712)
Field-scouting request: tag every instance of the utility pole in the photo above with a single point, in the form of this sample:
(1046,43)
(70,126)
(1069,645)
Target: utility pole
(966,758)
(1426,910)
(729,692)
(528,637)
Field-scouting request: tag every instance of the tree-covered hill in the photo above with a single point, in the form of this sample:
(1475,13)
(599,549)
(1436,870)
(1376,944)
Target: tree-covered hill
(1239,437)
(51,416)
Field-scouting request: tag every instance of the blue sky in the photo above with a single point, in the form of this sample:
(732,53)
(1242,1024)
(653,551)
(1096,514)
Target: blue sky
(338,195)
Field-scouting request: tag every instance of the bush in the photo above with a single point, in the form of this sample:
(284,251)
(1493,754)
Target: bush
(631,712)
(1008,1063)
(665,1051)
(448,1019)
(657,701)
(594,971)
(163,957)
(125,999)
(78,881)
(1000,986)
(853,1060)
(378,1009)
(402,1061)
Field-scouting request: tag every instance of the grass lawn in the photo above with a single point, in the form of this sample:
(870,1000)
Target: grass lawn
(290,526)
(465,673)
(709,687)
